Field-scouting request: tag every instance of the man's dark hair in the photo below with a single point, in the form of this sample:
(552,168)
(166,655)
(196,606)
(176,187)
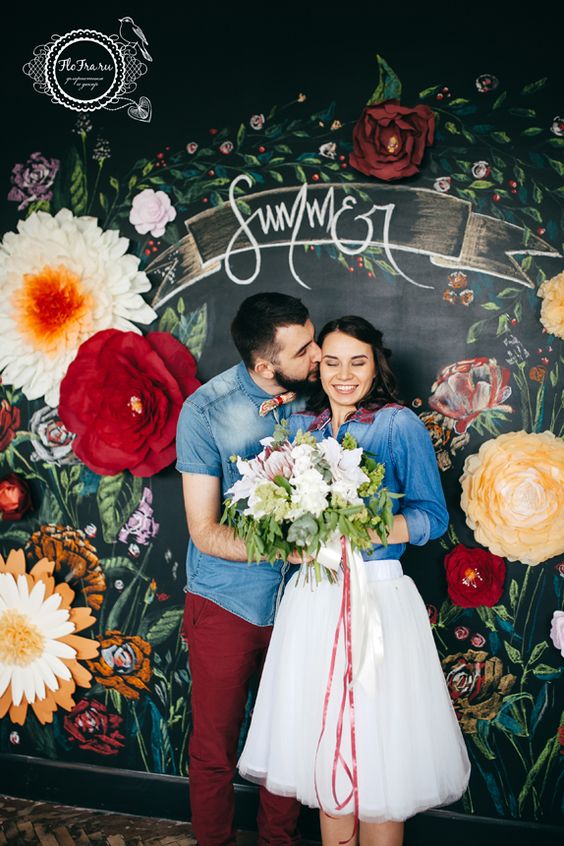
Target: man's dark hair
(254,327)
(383,388)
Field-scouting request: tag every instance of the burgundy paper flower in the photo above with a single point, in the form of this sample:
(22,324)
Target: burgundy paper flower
(122,396)
(33,180)
(10,419)
(389,140)
(92,726)
(466,389)
(475,577)
(15,498)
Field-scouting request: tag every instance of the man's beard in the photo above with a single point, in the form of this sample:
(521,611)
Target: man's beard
(303,387)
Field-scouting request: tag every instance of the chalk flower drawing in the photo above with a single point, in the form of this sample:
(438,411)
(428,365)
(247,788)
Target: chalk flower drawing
(63,279)
(513,496)
(552,308)
(39,648)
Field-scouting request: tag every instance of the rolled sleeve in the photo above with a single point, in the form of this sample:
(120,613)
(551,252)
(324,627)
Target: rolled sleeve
(423,503)
(196,449)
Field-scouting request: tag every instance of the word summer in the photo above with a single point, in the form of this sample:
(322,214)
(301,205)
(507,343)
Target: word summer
(306,219)
(69,64)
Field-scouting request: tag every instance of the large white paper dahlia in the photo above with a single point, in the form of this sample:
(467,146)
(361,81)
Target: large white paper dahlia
(62,279)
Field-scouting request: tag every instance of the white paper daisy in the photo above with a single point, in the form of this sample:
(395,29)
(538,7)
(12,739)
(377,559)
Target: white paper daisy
(62,279)
(39,648)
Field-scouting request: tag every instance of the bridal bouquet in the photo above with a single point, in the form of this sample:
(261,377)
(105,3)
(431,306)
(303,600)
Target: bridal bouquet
(306,495)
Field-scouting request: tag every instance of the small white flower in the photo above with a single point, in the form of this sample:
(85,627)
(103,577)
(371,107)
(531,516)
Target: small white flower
(191,147)
(256,122)
(481,169)
(329,150)
(442,184)
(557,127)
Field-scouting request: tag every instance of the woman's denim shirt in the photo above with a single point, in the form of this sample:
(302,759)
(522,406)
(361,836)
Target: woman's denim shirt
(395,436)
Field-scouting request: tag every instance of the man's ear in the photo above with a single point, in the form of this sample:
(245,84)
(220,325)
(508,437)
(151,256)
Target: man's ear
(263,368)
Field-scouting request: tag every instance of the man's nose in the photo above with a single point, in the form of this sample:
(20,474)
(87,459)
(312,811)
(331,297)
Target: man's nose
(315,352)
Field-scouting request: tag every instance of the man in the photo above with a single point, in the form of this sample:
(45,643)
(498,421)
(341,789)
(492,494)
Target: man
(230,604)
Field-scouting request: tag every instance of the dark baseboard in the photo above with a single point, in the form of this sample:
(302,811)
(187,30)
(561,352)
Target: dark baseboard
(151,794)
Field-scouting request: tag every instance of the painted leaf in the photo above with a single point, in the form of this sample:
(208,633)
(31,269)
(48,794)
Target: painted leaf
(117,498)
(514,654)
(532,87)
(79,197)
(389,85)
(166,626)
(545,672)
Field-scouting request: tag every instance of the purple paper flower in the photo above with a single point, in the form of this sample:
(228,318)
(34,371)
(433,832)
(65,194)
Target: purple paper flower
(33,180)
(140,525)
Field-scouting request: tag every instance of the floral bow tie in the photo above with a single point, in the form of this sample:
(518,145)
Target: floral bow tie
(270,404)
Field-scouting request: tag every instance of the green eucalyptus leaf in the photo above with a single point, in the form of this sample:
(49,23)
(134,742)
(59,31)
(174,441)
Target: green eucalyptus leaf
(389,85)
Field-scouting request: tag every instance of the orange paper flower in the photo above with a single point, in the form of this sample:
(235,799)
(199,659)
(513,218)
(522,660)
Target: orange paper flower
(39,648)
(513,496)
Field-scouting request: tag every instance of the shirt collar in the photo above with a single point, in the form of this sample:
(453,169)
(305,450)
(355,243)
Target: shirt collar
(364,414)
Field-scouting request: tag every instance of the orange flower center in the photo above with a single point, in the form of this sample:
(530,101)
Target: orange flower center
(135,405)
(471,577)
(393,144)
(52,309)
(21,642)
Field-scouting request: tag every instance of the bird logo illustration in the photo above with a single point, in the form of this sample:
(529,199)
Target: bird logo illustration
(133,34)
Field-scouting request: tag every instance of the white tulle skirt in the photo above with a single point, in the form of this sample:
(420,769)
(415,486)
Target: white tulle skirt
(411,754)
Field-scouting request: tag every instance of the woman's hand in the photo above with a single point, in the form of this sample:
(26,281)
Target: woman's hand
(398,534)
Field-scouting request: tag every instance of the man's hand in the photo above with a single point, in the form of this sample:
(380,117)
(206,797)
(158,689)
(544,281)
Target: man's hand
(202,501)
(297,557)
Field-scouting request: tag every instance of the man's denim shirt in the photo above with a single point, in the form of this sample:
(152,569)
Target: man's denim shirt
(219,420)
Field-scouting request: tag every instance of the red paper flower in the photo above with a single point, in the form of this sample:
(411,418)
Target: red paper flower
(15,498)
(474,576)
(122,396)
(9,423)
(466,389)
(389,140)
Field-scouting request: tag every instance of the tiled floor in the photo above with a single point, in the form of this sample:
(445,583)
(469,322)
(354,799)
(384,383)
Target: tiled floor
(24,822)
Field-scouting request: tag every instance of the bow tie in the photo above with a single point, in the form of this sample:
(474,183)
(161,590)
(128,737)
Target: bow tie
(270,404)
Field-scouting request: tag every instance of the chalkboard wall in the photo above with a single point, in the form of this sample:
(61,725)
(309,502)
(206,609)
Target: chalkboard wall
(250,138)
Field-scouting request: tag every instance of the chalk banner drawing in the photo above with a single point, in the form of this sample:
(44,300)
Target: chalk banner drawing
(352,218)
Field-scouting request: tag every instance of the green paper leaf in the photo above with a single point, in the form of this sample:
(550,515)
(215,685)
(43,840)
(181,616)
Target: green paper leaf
(558,166)
(427,91)
(389,85)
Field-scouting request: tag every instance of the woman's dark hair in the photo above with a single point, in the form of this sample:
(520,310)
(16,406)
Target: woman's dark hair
(383,388)
(254,327)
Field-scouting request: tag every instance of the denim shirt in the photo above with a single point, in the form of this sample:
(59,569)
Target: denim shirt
(217,421)
(396,437)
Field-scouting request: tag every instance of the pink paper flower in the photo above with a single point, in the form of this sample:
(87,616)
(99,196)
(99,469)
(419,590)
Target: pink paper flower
(557,631)
(151,211)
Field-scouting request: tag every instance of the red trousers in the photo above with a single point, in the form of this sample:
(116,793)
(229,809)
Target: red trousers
(224,653)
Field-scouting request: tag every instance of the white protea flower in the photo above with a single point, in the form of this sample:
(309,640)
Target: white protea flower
(39,647)
(345,469)
(62,280)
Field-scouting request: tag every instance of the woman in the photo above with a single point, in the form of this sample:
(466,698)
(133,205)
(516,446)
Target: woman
(410,754)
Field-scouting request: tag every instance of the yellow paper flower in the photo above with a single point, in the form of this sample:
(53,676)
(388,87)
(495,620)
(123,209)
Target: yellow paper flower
(552,308)
(39,648)
(513,496)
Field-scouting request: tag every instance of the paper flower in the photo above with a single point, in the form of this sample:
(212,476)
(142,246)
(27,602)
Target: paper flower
(122,396)
(475,577)
(151,211)
(552,308)
(513,496)
(124,664)
(466,389)
(63,279)
(75,559)
(557,631)
(477,685)
(39,647)
(389,140)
